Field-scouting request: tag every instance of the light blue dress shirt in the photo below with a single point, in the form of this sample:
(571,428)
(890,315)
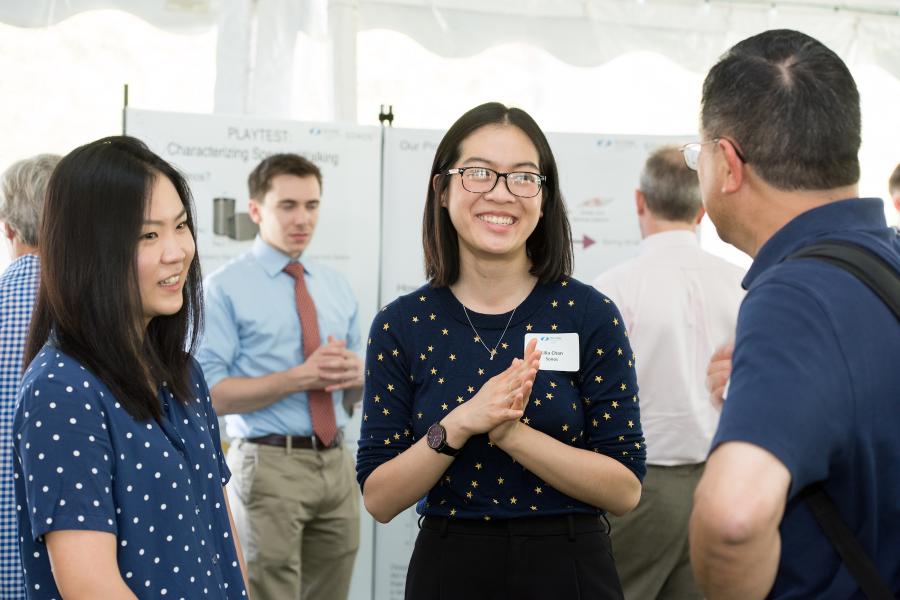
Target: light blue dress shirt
(252,329)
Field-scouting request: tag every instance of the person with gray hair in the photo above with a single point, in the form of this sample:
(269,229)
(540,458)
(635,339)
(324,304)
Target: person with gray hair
(679,303)
(21,203)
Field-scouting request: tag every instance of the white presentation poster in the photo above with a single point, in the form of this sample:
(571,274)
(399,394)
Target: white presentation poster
(408,154)
(217,152)
(598,177)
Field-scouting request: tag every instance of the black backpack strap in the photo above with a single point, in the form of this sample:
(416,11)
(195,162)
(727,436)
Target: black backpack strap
(884,281)
(855,557)
(866,266)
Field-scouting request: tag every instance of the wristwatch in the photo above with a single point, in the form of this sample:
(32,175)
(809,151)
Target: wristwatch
(436,436)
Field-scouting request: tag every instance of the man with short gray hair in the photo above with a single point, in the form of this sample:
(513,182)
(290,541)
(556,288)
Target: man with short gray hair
(21,203)
(679,303)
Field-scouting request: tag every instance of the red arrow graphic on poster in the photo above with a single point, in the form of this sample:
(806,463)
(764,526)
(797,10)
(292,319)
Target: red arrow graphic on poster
(586,241)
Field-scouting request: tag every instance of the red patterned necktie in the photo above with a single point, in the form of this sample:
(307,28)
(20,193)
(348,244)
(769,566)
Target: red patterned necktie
(321,408)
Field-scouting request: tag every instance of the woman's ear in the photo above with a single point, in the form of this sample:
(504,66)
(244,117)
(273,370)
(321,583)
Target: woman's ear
(435,185)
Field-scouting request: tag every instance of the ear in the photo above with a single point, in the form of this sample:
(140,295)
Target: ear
(733,166)
(640,202)
(435,185)
(9,232)
(255,211)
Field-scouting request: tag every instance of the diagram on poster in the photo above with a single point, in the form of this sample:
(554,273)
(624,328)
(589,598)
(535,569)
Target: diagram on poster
(598,177)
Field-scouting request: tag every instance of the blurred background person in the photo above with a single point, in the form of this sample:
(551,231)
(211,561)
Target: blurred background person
(280,350)
(894,189)
(679,303)
(22,191)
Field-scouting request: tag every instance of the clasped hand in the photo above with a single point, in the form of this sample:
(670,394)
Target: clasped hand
(497,407)
(717,373)
(331,367)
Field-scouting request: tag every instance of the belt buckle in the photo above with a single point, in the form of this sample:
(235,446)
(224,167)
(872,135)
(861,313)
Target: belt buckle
(317,445)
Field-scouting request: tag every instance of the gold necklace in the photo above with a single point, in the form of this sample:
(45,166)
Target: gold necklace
(491,351)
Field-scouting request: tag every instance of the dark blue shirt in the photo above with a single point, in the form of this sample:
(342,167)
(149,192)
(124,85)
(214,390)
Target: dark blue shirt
(82,462)
(816,382)
(424,360)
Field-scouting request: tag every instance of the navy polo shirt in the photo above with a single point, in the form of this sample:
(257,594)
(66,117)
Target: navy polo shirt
(83,462)
(816,382)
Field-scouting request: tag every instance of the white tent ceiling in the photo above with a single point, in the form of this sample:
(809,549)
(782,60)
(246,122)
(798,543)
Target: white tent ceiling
(256,37)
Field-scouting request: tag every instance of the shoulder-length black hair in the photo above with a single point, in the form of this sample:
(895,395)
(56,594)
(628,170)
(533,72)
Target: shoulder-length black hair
(549,246)
(89,297)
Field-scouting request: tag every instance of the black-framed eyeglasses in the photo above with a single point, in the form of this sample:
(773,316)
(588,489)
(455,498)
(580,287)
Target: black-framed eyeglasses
(691,152)
(481,180)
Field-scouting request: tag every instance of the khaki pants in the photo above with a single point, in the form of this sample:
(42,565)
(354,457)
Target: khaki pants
(650,544)
(297,515)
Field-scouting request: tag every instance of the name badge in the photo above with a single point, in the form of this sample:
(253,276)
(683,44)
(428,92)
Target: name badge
(559,351)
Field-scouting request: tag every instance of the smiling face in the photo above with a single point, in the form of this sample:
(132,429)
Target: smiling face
(164,252)
(288,212)
(495,223)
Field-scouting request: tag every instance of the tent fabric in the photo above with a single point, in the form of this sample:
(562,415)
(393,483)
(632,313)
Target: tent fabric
(171,15)
(257,38)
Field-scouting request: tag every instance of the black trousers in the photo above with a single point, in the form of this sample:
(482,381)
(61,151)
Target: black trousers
(565,557)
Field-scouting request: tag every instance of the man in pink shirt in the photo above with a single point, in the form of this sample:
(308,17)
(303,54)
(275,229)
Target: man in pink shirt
(679,304)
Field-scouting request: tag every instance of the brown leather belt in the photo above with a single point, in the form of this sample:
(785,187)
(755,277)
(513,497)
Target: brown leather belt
(307,442)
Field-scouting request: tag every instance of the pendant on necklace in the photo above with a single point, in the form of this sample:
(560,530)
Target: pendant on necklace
(493,352)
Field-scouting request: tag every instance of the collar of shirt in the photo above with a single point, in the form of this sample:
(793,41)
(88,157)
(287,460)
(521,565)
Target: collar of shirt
(23,261)
(273,261)
(668,239)
(855,214)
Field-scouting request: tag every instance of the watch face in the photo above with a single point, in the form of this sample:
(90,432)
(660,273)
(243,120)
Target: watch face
(435,436)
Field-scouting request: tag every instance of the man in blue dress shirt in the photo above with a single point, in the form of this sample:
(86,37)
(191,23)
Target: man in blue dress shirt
(280,352)
(21,204)
(814,396)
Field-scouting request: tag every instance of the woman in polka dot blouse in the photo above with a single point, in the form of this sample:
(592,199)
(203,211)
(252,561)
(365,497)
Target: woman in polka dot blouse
(119,472)
(512,468)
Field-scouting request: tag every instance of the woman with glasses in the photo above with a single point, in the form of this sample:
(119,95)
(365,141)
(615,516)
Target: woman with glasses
(118,466)
(512,453)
